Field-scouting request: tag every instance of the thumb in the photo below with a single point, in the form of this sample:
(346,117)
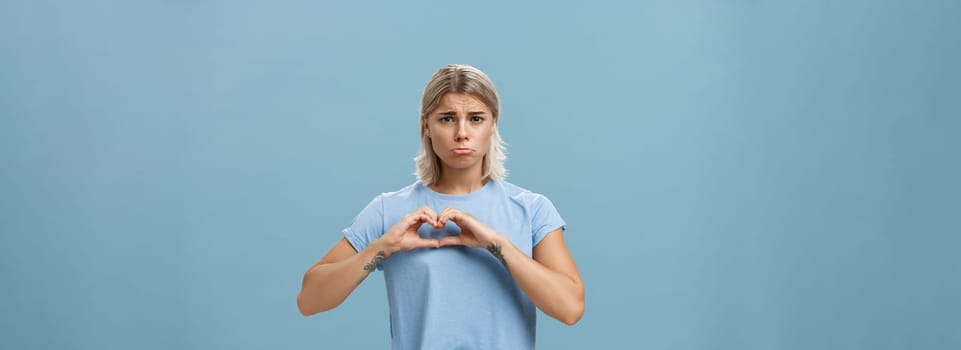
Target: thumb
(417,243)
(451,240)
(427,243)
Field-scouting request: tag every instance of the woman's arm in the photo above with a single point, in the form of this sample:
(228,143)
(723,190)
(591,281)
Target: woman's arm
(329,281)
(550,279)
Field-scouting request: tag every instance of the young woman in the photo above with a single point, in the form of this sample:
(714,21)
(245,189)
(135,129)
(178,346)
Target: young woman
(466,255)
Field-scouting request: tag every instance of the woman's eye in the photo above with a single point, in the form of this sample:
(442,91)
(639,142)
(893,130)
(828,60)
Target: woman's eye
(446,119)
(477,119)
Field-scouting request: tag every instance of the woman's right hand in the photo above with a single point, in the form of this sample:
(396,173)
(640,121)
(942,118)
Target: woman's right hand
(329,281)
(403,235)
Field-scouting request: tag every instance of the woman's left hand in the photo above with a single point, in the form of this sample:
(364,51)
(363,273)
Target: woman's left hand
(473,232)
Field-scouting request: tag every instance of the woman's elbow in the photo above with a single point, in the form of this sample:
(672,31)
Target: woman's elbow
(302,306)
(574,314)
(307,308)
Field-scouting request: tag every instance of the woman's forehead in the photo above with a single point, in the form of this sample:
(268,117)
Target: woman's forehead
(461,101)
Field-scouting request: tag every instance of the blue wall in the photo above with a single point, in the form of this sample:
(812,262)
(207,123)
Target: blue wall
(735,174)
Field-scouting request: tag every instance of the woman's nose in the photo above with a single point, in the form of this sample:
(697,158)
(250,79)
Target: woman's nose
(461,131)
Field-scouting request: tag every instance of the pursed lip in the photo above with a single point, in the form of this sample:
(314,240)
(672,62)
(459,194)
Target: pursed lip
(462,150)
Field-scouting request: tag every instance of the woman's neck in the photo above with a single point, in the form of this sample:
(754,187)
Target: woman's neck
(459,181)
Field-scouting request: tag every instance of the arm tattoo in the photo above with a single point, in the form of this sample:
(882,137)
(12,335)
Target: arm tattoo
(376,261)
(495,249)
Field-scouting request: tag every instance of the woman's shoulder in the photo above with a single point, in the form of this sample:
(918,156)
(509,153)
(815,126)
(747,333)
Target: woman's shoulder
(520,194)
(403,193)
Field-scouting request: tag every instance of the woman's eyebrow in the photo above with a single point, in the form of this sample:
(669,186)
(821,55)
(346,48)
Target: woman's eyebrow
(453,113)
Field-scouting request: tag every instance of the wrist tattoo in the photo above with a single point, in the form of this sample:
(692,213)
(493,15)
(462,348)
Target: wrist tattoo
(376,261)
(495,249)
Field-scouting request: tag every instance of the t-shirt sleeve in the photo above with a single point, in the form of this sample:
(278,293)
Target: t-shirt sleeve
(545,219)
(367,226)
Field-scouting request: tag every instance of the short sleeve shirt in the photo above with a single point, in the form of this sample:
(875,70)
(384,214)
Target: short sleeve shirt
(458,297)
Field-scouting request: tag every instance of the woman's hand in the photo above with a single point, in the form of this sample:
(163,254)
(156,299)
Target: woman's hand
(403,235)
(473,232)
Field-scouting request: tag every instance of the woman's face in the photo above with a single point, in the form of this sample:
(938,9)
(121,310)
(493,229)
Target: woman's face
(460,130)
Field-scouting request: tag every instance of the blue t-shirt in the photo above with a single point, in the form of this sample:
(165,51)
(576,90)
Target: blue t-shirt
(458,297)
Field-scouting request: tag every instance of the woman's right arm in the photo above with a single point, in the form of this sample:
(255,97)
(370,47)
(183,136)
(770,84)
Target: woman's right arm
(329,281)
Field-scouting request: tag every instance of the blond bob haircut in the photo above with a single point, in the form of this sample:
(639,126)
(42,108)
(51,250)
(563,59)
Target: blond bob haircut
(458,78)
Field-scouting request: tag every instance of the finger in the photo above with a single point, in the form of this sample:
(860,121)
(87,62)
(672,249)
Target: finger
(426,210)
(430,212)
(425,243)
(418,242)
(451,240)
(458,217)
(435,219)
(442,215)
(412,243)
(416,220)
(448,214)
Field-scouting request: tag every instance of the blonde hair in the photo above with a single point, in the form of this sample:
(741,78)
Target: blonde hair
(459,78)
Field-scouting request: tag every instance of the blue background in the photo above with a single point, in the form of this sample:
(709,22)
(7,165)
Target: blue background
(735,174)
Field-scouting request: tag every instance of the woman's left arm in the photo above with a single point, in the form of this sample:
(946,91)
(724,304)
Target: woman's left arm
(550,279)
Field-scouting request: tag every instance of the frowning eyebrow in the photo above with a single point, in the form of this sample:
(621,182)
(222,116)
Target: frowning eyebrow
(452,113)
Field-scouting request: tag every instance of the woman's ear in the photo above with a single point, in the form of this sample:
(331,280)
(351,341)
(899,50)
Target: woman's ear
(423,125)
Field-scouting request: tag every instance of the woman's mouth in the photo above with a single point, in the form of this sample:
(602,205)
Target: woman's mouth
(463,151)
